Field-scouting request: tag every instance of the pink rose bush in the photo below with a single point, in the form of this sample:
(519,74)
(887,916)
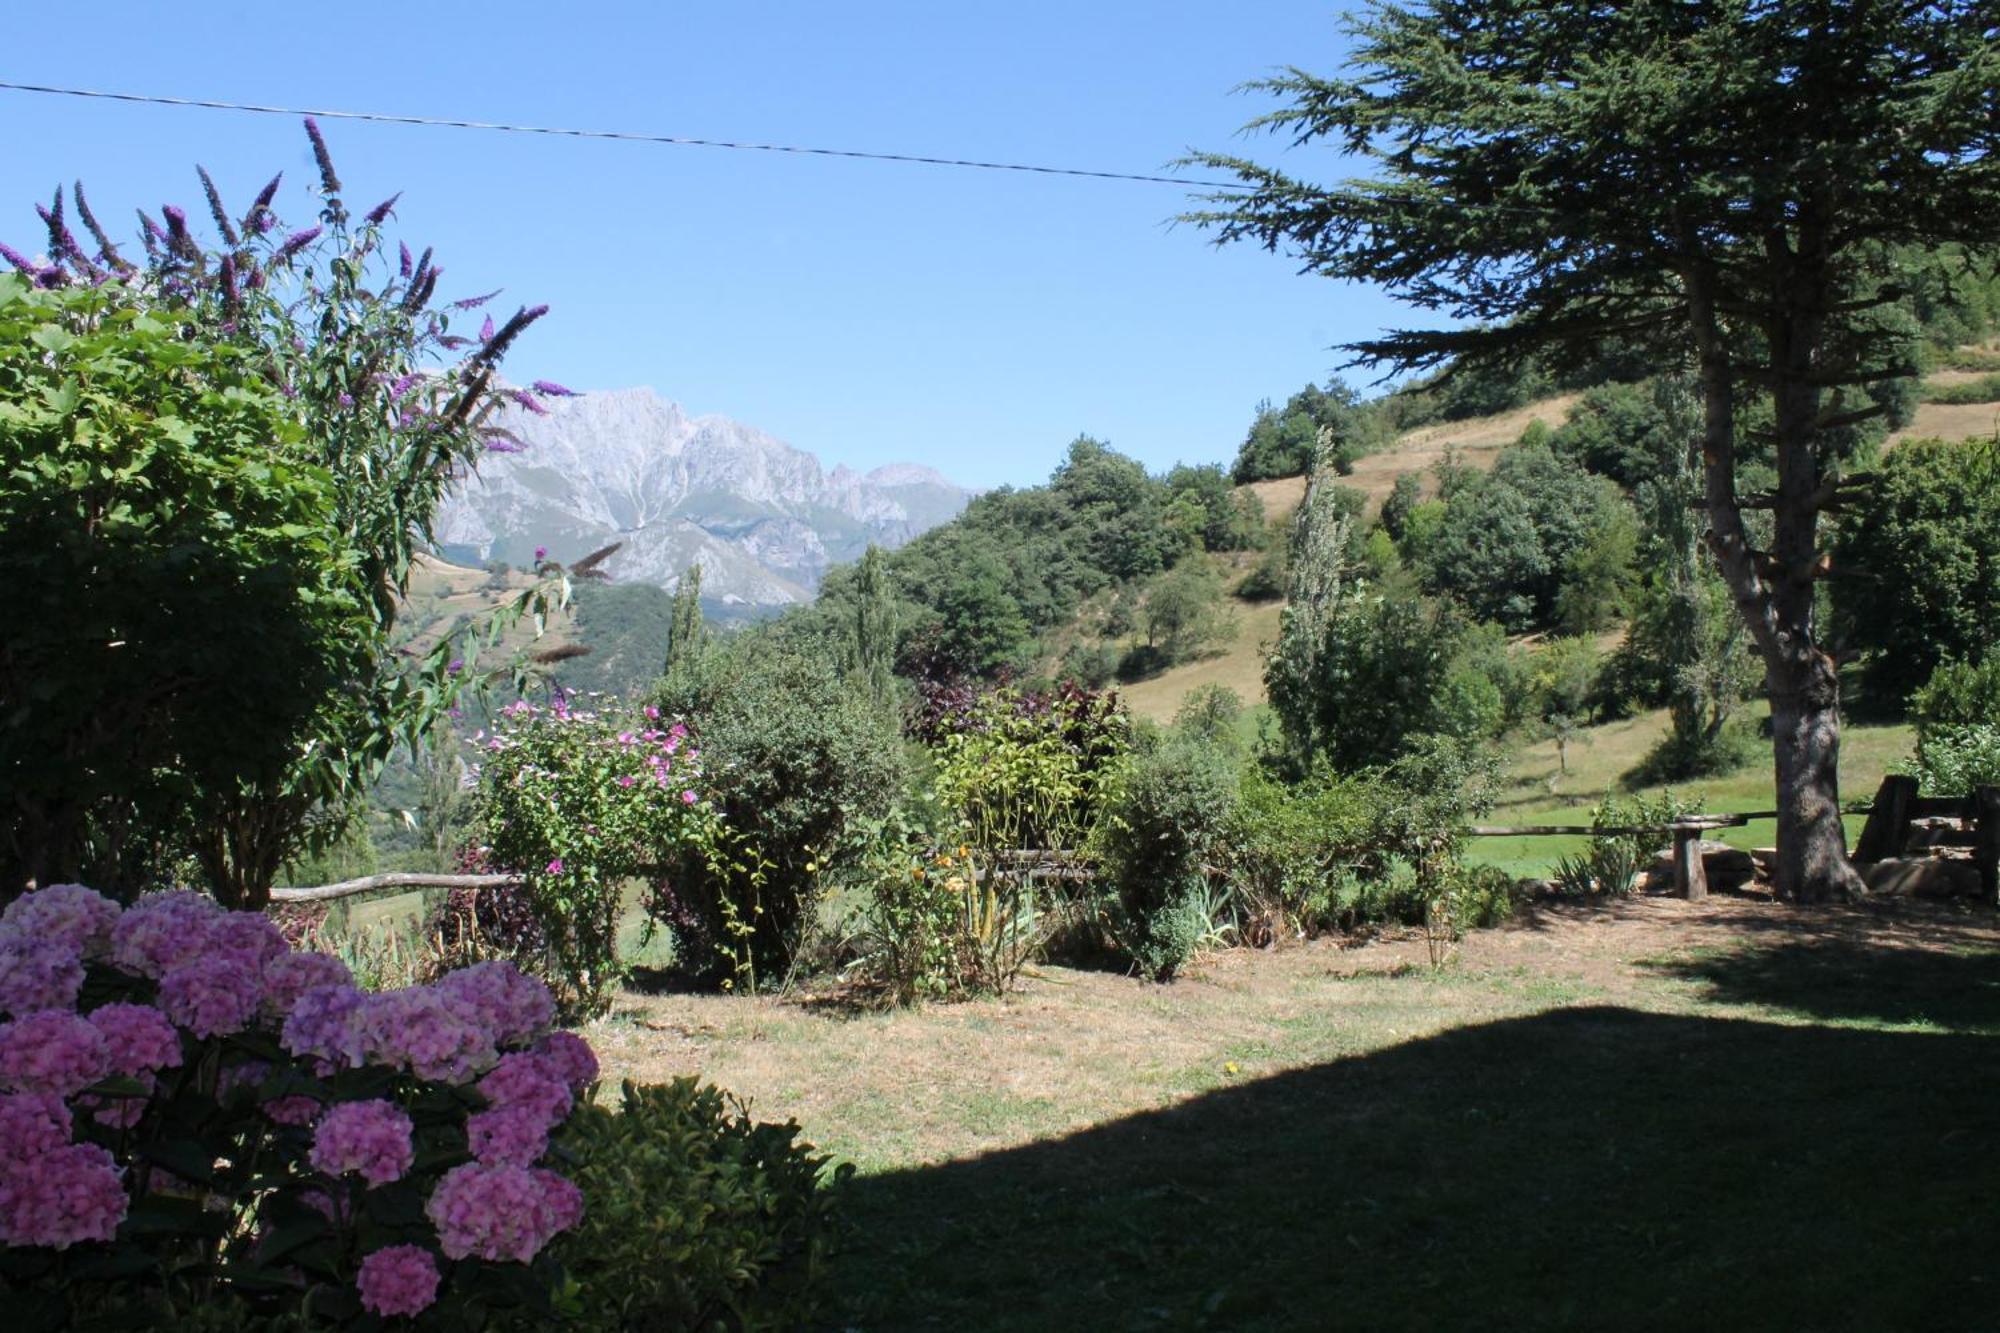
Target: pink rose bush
(169,1065)
(577,800)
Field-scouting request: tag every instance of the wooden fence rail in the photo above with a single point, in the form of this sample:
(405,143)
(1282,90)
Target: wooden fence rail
(1886,834)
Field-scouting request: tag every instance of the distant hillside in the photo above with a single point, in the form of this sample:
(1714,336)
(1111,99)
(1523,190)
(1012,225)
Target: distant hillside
(763,520)
(1236,660)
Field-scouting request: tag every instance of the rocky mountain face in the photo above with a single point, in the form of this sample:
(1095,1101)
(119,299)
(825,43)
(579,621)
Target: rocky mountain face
(762,519)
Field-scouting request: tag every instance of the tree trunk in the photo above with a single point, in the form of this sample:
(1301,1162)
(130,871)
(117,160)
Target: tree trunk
(1812,864)
(1773,591)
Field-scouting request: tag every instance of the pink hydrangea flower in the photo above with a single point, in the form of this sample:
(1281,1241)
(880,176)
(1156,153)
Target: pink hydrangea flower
(162,931)
(570,1058)
(31,1124)
(431,1034)
(53,1052)
(297,1109)
(250,936)
(370,1138)
(321,1024)
(38,972)
(138,1038)
(246,1074)
(290,975)
(508,1136)
(399,1280)
(64,1196)
(79,917)
(213,996)
(530,1081)
(512,1005)
(501,1212)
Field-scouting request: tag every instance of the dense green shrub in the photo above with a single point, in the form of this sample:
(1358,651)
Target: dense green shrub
(1926,535)
(796,764)
(1389,666)
(160,509)
(1023,769)
(1957,760)
(694,1216)
(1298,853)
(1286,441)
(1483,896)
(1957,715)
(1168,822)
(1509,543)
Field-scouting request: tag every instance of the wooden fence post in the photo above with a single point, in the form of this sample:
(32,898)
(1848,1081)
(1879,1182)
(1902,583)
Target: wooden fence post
(1986,841)
(1690,875)
(1887,831)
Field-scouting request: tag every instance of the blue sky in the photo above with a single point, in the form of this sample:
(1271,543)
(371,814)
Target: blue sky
(869,312)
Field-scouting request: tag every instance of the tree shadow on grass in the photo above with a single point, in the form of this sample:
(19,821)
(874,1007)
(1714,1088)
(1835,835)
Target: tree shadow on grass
(1846,980)
(1584,1168)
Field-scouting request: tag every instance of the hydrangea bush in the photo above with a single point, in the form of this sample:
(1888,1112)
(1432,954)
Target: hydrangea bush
(578,801)
(199,1123)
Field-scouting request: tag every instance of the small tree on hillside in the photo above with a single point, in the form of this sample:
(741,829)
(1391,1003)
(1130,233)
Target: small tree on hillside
(686,636)
(1726,179)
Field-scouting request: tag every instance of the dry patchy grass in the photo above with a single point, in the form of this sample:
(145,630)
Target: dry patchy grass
(1639,1113)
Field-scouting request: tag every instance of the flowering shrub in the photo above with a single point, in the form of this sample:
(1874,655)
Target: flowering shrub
(198,1123)
(242,421)
(578,801)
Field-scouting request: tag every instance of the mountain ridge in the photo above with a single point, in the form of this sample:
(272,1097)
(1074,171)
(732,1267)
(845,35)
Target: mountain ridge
(764,520)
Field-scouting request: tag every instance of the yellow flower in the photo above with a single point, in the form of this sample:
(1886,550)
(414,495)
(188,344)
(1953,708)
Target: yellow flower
(1229,1067)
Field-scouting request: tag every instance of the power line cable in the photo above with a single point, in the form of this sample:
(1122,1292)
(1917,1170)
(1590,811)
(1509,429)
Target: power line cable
(628,136)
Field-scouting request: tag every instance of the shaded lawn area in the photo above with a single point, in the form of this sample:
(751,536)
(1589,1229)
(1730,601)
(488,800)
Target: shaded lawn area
(1741,1165)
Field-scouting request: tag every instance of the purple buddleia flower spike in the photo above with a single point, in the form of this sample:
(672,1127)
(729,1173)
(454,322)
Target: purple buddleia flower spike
(296,242)
(51,276)
(230,298)
(179,240)
(403,385)
(420,291)
(329,182)
(403,264)
(499,446)
(150,233)
(528,401)
(486,330)
(215,208)
(19,260)
(550,389)
(451,342)
(375,215)
(259,219)
(105,247)
(255,282)
(497,346)
(62,245)
(474,302)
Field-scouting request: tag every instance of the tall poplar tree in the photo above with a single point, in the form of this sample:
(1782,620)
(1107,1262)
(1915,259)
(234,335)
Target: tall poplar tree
(1723,180)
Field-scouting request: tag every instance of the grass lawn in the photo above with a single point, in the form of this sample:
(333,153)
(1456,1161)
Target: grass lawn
(1536,791)
(1646,1114)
